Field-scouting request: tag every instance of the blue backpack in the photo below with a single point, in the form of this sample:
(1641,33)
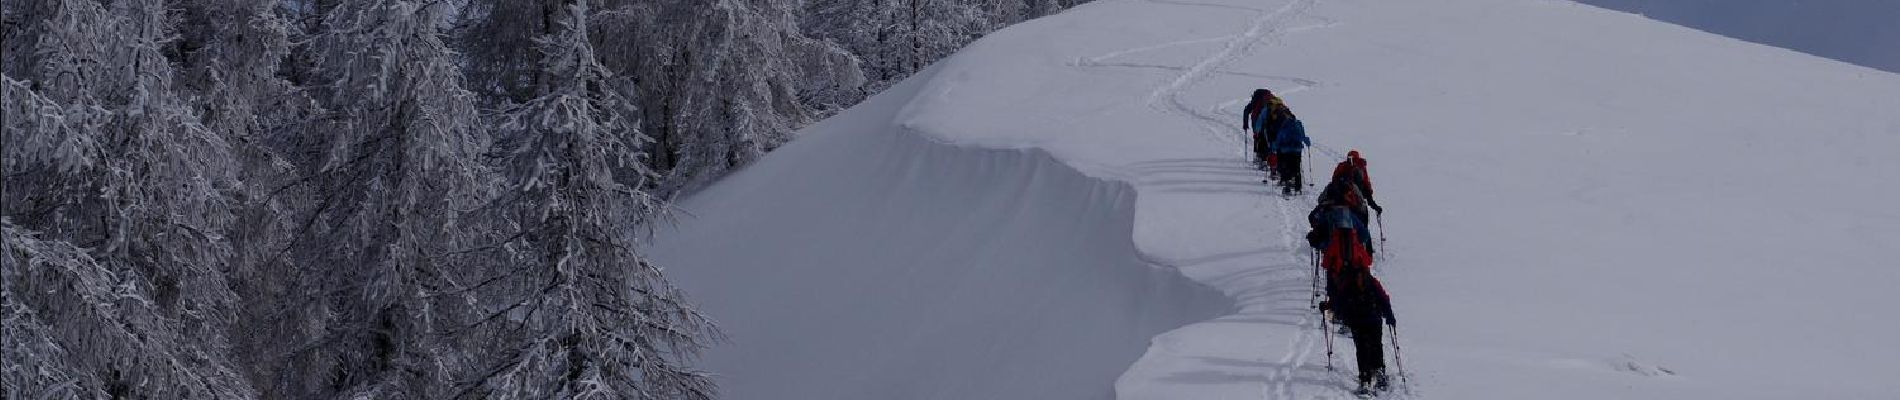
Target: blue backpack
(1328,219)
(1292,136)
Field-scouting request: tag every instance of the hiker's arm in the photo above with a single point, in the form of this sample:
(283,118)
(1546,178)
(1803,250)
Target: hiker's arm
(1304,140)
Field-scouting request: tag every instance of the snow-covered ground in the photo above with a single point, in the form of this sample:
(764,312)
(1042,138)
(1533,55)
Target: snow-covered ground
(1583,204)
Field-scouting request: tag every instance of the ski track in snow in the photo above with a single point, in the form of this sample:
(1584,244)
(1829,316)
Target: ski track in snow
(1281,382)
(1302,346)
(1169,99)
(1266,27)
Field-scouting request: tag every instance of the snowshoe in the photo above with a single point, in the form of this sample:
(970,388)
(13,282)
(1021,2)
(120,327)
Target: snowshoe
(1379,386)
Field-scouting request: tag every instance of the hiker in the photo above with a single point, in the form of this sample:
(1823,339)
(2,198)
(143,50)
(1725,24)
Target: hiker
(1360,302)
(1339,237)
(1346,197)
(1289,142)
(1254,117)
(1353,170)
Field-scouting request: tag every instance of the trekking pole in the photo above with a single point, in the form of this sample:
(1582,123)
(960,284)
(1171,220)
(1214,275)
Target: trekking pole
(1248,152)
(1381,218)
(1309,169)
(1326,329)
(1398,356)
(1314,253)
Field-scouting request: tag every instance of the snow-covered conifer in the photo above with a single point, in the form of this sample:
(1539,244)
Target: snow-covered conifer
(388,168)
(117,199)
(568,307)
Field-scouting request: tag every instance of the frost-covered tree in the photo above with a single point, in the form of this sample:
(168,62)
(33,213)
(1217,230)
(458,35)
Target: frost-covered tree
(569,307)
(896,38)
(576,159)
(387,171)
(724,80)
(116,203)
(103,332)
(228,54)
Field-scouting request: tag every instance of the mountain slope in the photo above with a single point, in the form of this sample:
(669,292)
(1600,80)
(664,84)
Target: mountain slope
(1585,204)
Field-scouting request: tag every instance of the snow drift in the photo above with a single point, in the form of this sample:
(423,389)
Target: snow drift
(1584,204)
(868,262)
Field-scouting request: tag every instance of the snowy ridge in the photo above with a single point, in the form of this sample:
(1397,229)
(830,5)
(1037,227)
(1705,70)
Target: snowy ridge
(1585,204)
(867,261)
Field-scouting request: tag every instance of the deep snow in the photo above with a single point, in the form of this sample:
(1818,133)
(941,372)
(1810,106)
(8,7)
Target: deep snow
(862,262)
(1585,204)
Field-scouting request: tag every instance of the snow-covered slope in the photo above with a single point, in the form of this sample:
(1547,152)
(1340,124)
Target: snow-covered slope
(1583,204)
(869,262)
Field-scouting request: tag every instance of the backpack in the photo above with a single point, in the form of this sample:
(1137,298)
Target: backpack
(1350,171)
(1344,193)
(1268,120)
(1356,297)
(1324,220)
(1345,251)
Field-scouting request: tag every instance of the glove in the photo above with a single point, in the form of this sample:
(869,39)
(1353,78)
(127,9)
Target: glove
(1391,320)
(1325,305)
(1378,209)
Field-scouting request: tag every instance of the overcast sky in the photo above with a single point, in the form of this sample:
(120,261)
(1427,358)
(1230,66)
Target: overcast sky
(1865,32)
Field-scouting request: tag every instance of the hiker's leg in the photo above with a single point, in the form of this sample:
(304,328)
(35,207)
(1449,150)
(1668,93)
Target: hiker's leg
(1293,167)
(1289,163)
(1368,343)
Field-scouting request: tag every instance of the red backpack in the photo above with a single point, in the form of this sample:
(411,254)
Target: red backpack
(1345,251)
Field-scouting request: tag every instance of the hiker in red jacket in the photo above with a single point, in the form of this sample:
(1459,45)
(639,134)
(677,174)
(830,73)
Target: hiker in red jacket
(1360,302)
(1353,170)
(1354,297)
(1344,250)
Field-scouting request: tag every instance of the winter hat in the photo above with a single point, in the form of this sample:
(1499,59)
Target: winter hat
(1352,154)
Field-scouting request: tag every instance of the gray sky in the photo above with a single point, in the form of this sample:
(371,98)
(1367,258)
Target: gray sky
(1865,32)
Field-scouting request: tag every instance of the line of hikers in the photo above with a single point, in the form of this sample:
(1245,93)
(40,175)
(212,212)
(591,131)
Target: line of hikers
(1279,138)
(1340,236)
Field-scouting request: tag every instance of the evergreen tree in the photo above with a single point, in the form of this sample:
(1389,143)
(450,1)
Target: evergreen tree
(387,172)
(116,202)
(568,306)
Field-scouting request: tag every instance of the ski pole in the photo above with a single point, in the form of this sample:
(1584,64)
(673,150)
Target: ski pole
(1326,329)
(1309,169)
(1381,218)
(1398,356)
(1314,255)
(1248,152)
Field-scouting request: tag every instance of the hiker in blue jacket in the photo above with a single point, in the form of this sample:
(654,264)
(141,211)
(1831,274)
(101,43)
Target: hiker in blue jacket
(1251,118)
(1288,143)
(1262,118)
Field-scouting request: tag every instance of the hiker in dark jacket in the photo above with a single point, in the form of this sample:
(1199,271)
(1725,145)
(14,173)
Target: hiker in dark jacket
(1257,114)
(1358,301)
(1346,195)
(1290,141)
(1353,170)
